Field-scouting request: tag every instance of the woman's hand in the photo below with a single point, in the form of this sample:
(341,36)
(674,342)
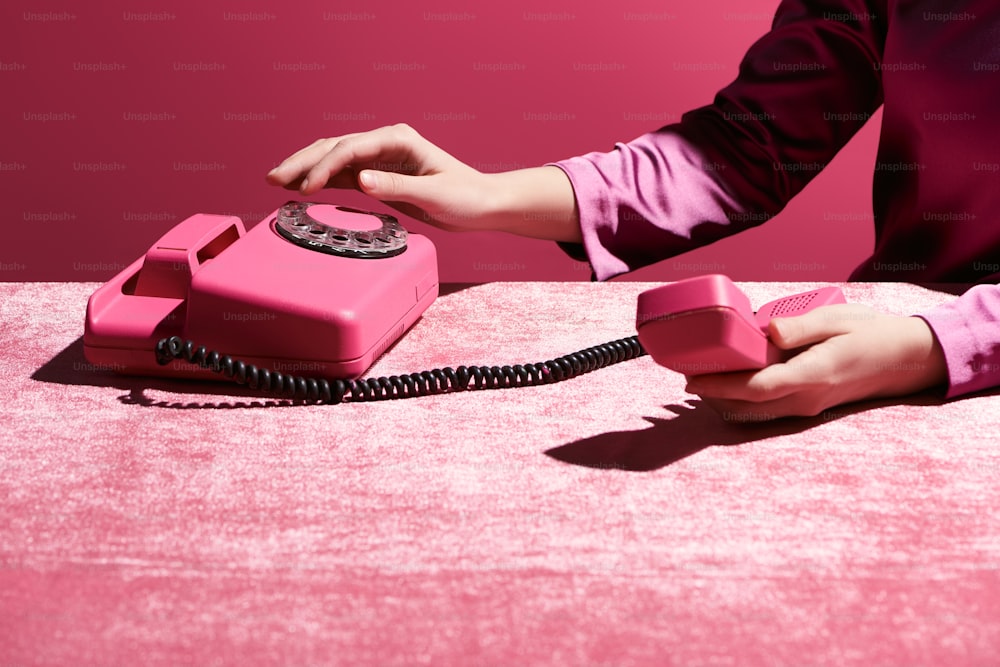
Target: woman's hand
(396,165)
(855,353)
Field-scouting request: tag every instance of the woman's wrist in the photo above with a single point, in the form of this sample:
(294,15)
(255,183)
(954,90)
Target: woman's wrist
(537,202)
(929,363)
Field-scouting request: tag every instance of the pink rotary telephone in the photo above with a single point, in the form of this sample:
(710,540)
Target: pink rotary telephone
(314,287)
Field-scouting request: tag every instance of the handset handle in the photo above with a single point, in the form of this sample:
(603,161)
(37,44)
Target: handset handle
(700,325)
(171,262)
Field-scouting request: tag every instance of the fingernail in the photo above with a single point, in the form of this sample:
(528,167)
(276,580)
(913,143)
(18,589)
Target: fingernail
(368,179)
(305,184)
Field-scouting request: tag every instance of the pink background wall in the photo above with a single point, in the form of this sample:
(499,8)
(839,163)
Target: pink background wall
(120,119)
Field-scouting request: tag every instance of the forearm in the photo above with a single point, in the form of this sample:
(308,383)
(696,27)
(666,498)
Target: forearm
(538,202)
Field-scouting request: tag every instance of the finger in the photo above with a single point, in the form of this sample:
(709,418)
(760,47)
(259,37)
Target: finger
(808,370)
(293,168)
(385,143)
(755,386)
(719,385)
(345,180)
(817,325)
(422,191)
(425,198)
(742,412)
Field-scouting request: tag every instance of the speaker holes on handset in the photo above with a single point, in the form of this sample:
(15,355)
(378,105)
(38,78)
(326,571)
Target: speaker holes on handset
(791,304)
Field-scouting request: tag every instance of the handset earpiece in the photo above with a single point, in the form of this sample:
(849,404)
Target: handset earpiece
(797,304)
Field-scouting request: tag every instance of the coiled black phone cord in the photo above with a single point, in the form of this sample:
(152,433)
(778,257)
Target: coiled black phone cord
(426,383)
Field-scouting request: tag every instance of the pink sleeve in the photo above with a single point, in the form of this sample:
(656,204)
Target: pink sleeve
(648,200)
(736,162)
(968,329)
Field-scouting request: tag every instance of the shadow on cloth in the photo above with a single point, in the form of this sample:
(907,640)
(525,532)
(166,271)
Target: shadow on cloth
(696,426)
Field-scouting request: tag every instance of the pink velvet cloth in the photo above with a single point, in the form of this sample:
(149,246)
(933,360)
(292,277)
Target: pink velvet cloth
(611,519)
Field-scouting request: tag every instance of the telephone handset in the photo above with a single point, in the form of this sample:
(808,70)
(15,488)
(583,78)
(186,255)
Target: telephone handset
(706,324)
(306,301)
